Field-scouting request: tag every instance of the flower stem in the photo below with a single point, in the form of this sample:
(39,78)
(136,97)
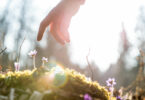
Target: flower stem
(42,63)
(111,94)
(34,62)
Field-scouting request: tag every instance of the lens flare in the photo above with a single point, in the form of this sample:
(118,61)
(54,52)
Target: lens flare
(56,77)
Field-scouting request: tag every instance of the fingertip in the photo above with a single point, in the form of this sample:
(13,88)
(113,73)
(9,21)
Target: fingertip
(66,36)
(68,40)
(38,39)
(61,42)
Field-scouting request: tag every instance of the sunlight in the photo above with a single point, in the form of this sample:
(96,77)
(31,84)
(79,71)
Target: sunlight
(98,28)
(102,59)
(92,30)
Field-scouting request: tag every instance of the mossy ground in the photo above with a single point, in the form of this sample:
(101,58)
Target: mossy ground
(62,84)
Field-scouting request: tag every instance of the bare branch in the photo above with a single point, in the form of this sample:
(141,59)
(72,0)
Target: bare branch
(20,49)
(90,66)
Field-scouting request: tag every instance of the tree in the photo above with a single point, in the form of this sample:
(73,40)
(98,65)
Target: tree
(17,25)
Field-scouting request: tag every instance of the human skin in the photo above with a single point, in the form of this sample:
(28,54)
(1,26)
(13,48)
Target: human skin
(58,20)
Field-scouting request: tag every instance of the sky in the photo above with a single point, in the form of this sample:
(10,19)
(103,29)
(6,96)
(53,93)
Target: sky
(96,28)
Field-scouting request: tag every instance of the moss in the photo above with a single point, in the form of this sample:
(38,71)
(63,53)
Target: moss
(79,85)
(64,84)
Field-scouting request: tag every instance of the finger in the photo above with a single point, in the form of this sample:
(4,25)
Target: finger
(43,26)
(54,31)
(64,29)
(58,38)
(40,32)
(65,35)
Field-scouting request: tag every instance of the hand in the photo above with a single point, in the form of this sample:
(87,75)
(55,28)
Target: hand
(59,19)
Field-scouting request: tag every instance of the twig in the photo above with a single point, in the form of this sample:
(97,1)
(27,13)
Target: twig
(90,65)
(20,49)
(3,50)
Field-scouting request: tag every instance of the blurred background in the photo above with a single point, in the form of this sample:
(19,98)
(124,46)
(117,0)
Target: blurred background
(106,35)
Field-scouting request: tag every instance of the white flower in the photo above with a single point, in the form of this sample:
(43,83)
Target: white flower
(32,53)
(17,66)
(44,59)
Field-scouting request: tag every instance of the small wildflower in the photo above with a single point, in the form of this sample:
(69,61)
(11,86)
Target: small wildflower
(44,59)
(32,53)
(87,97)
(111,82)
(118,98)
(17,66)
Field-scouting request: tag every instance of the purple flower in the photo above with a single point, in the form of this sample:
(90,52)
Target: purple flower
(44,59)
(87,97)
(111,82)
(17,66)
(118,98)
(32,53)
